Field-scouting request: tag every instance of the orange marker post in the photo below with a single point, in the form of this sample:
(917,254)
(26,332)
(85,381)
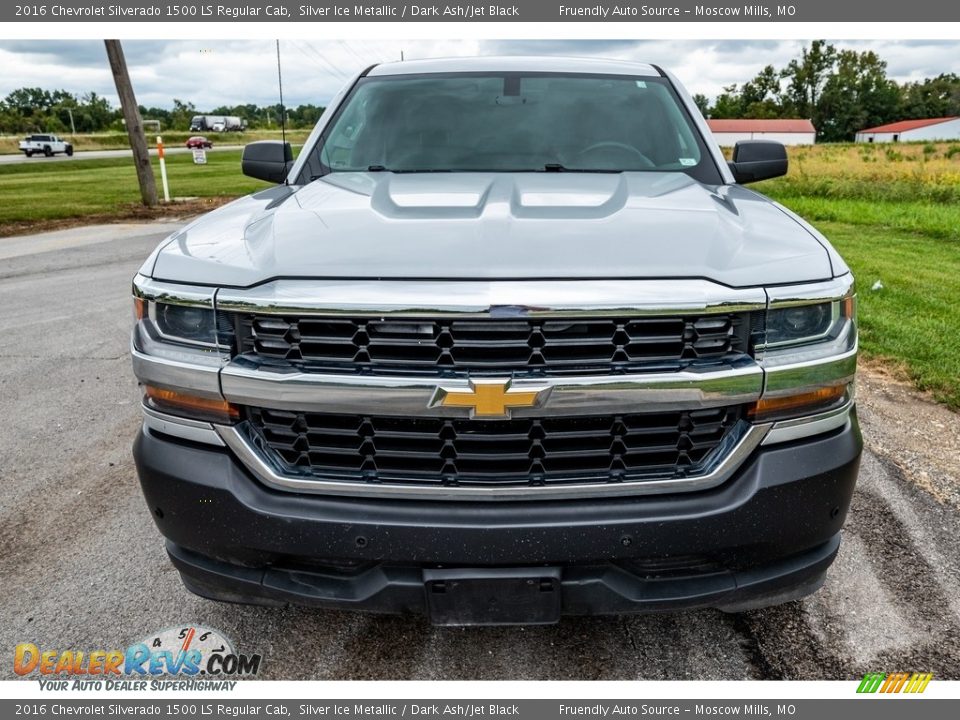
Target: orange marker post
(163,170)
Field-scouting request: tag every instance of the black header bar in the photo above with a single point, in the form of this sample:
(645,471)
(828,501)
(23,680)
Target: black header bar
(574,11)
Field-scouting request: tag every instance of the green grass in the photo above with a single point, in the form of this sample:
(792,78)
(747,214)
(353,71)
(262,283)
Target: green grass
(934,220)
(912,245)
(71,189)
(913,248)
(912,319)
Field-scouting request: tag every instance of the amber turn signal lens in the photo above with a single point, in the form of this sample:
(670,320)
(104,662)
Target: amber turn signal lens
(190,405)
(847,307)
(139,308)
(796,404)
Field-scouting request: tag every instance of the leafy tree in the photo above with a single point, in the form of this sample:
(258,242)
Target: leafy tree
(932,97)
(154,113)
(306,116)
(806,77)
(96,112)
(760,97)
(857,95)
(181,114)
(728,104)
(702,102)
(29,101)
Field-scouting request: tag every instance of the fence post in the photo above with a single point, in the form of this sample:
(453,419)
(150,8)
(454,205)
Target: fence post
(163,170)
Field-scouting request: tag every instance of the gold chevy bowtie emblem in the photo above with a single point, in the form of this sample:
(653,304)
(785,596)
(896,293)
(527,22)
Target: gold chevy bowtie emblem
(489,398)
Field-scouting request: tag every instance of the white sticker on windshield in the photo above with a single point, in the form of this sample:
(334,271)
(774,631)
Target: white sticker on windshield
(687,162)
(641,84)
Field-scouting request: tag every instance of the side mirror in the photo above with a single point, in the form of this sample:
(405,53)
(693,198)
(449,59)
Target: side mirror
(268,160)
(755,160)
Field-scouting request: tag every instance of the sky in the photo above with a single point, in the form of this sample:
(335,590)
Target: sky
(231,72)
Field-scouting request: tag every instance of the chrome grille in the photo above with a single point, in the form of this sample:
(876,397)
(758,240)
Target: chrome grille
(534,451)
(516,346)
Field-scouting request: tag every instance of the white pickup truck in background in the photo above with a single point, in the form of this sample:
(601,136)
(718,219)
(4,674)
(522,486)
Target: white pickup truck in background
(47,144)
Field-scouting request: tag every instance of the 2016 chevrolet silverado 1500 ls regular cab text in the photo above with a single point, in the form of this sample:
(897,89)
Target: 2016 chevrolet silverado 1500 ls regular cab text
(508,340)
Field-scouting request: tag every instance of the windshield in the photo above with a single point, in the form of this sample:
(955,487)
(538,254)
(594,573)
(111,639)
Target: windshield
(512,122)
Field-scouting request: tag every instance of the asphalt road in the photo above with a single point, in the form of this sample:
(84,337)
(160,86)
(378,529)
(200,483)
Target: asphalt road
(83,566)
(100,154)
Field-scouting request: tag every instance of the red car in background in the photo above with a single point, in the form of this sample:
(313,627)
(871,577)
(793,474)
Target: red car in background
(198,141)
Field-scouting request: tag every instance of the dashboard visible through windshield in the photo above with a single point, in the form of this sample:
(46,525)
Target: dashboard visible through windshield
(513,122)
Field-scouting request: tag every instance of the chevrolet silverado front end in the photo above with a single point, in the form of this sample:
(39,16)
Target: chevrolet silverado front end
(509,341)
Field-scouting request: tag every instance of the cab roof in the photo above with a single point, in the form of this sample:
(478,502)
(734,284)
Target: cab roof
(516,64)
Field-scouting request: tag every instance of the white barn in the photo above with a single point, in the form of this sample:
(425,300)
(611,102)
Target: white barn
(947,128)
(788,131)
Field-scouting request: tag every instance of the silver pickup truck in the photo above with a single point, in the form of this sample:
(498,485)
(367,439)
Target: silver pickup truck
(509,339)
(47,145)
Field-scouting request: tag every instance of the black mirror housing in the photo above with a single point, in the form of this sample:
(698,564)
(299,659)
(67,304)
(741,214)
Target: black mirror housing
(268,160)
(755,160)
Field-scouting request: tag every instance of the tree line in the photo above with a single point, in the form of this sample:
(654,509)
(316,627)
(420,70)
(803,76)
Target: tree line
(28,110)
(841,91)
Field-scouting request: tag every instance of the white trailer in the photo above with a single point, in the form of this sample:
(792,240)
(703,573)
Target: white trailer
(217,123)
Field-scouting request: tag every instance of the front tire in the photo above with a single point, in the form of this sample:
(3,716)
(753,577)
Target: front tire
(69,150)
(28,153)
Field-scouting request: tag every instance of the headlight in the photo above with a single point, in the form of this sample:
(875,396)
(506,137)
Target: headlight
(812,322)
(185,323)
(179,345)
(801,324)
(809,355)
(185,332)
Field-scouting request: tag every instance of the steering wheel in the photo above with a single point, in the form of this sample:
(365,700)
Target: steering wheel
(614,145)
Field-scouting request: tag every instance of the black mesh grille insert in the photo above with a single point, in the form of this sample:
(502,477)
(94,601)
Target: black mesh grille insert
(545,346)
(517,451)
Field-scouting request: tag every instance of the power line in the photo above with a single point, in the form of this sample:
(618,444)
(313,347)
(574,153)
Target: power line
(333,66)
(346,46)
(375,50)
(319,63)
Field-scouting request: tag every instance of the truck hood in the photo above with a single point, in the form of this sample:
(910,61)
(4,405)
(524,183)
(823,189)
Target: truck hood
(496,226)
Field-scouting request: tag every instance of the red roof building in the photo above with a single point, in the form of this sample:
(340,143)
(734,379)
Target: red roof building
(789,131)
(788,125)
(946,128)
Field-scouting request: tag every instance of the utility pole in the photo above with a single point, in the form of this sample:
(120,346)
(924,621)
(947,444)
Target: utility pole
(73,128)
(131,116)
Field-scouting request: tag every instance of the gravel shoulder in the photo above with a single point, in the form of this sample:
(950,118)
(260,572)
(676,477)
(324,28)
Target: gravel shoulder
(83,565)
(919,437)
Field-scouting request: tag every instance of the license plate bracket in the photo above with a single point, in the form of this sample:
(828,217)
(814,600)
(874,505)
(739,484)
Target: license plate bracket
(502,596)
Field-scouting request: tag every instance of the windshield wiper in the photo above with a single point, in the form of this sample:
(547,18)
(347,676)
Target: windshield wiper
(382,168)
(548,167)
(559,167)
